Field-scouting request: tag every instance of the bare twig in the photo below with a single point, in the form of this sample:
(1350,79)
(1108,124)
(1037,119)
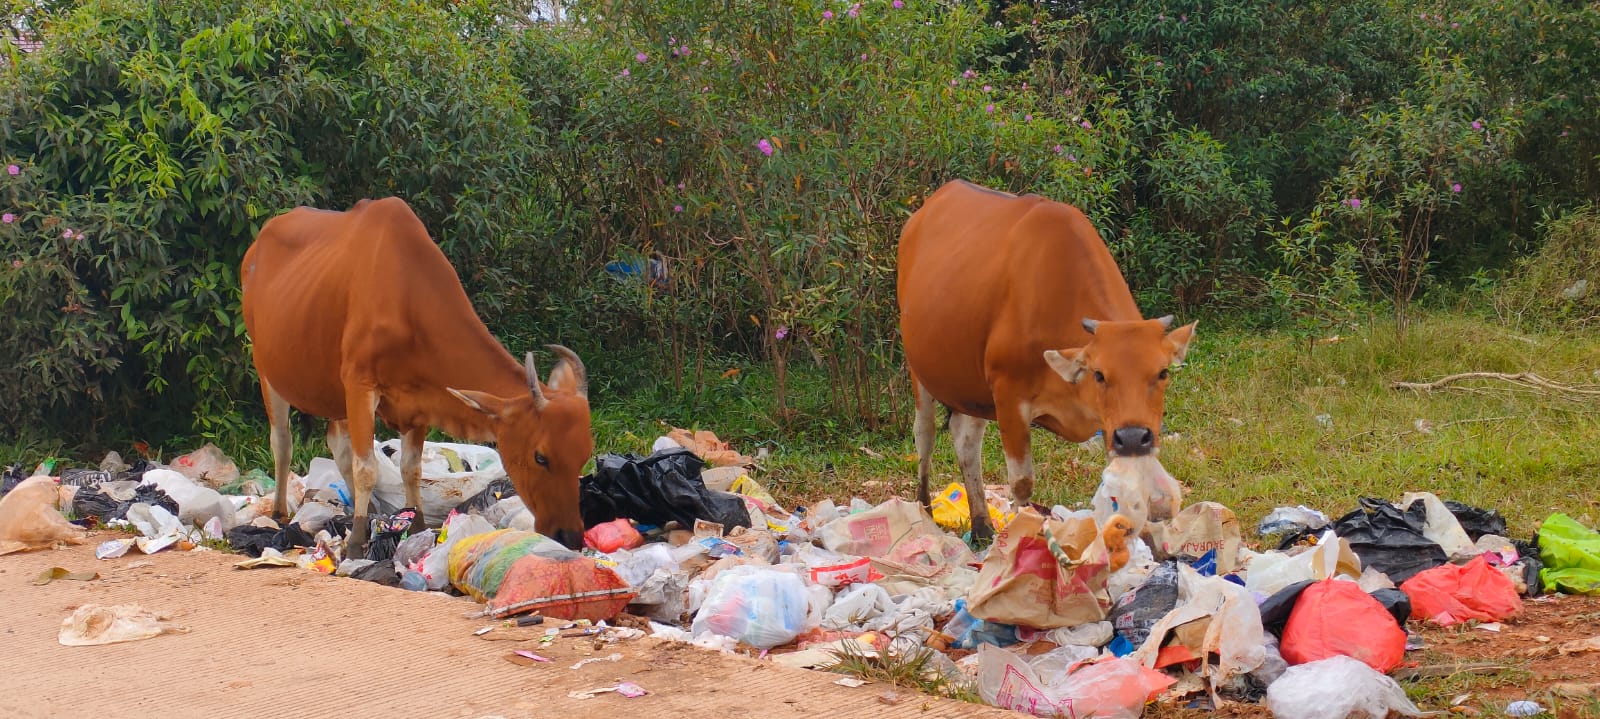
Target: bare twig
(1524,380)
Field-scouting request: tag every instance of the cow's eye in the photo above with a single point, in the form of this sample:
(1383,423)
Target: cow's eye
(540,458)
(1098,377)
(1163,374)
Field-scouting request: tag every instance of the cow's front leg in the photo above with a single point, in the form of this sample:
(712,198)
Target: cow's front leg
(360,403)
(1018,444)
(966,433)
(411,471)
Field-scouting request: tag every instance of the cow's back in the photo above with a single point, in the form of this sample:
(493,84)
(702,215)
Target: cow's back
(326,291)
(988,281)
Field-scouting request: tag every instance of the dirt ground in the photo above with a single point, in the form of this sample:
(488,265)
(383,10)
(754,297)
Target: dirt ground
(289,642)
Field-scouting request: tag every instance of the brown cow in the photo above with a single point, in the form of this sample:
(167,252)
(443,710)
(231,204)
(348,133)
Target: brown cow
(1013,310)
(359,312)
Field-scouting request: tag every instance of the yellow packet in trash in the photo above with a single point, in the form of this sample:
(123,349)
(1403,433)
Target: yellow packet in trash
(750,488)
(950,510)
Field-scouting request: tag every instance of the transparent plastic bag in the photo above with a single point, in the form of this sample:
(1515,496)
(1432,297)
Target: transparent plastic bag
(760,606)
(860,608)
(1270,572)
(436,565)
(1336,688)
(196,503)
(1112,689)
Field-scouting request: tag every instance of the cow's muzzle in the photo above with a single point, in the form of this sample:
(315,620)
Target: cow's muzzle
(1133,441)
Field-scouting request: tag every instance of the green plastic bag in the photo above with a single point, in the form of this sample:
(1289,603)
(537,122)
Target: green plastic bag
(1571,556)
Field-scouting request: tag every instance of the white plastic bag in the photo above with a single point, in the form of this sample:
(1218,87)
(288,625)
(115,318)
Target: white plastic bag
(436,566)
(1270,572)
(1138,488)
(196,503)
(1234,633)
(1441,525)
(441,488)
(1093,634)
(859,608)
(760,606)
(1113,689)
(313,516)
(1336,688)
(93,624)
(635,566)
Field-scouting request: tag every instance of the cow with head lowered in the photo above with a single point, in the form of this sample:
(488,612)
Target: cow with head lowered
(1013,310)
(358,314)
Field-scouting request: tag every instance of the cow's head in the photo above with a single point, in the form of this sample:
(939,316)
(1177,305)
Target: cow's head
(1122,373)
(544,440)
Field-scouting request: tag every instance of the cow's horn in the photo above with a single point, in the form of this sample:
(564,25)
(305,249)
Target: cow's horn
(578,372)
(1166,322)
(1090,325)
(533,380)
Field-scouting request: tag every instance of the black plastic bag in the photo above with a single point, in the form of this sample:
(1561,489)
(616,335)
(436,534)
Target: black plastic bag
(252,540)
(1389,539)
(490,496)
(1136,612)
(93,501)
(14,475)
(1275,610)
(657,489)
(1528,557)
(386,535)
(1477,522)
(84,477)
(381,572)
(1396,601)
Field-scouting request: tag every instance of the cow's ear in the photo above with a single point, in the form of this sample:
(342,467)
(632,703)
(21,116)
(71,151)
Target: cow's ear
(491,406)
(1067,363)
(1178,341)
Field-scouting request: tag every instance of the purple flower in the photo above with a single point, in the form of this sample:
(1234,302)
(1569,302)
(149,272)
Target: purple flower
(986,88)
(854,11)
(897,4)
(1183,18)
(953,83)
(1354,203)
(1027,118)
(1455,25)
(764,146)
(1058,149)
(1563,133)
(780,333)
(863,57)
(1455,187)
(990,108)
(13,170)
(969,74)
(8,218)
(624,72)
(677,208)
(1158,63)
(680,185)
(1073,157)
(827,14)
(641,57)
(1477,125)
(67,234)
(684,51)
(1162,17)
(1086,125)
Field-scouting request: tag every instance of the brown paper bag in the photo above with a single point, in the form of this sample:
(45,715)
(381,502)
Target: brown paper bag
(1043,573)
(1199,528)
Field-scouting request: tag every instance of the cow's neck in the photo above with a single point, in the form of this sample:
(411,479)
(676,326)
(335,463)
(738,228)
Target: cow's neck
(472,359)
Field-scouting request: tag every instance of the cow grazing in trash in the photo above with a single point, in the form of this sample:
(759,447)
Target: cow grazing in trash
(359,313)
(1012,309)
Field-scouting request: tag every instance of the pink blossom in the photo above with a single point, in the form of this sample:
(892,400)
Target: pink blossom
(990,108)
(854,11)
(1354,203)
(764,146)
(677,208)
(8,218)
(780,333)
(897,4)
(1073,157)
(969,74)
(1086,125)
(1158,63)
(1455,187)
(1454,25)
(1027,118)
(1058,149)
(863,57)
(13,170)
(680,185)
(16,264)
(986,88)
(624,72)
(641,57)
(1477,125)
(1162,17)
(67,234)
(684,51)
(827,14)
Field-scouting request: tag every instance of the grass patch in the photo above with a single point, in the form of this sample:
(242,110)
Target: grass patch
(915,669)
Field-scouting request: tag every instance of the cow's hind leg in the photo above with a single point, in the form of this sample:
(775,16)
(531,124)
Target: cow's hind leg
(281,442)
(360,403)
(966,432)
(339,446)
(411,469)
(924,433)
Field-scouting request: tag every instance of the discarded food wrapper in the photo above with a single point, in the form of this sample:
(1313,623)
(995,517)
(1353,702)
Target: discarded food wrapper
(112,548)
(627,689)
(93,624)
(953,511)
(273,558)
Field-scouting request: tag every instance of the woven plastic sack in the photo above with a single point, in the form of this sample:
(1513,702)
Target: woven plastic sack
(29,518)
(1449,594)
(478,564)
(1334,617)
(572,588)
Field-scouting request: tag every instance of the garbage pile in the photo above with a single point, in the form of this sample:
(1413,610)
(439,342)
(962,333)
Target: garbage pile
(1137,598)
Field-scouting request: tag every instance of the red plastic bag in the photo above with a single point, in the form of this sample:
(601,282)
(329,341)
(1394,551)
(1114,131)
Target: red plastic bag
(611,536)
(1335,617)
(1450,594)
